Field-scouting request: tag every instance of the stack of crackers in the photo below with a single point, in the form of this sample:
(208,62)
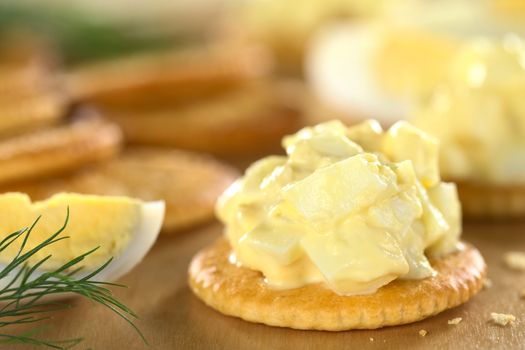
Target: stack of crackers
(222,100)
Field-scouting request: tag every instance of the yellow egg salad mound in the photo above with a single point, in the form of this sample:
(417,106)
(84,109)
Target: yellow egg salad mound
(354,208)
(478,113)
(123,228)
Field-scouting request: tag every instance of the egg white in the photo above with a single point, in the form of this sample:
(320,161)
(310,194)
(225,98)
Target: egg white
(142,240)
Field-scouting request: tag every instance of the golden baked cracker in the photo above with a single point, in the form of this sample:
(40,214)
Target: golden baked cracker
(178,75)
(22,47)
(492,201)
(240,121)
(57,149)
(241,292)
(189,183)
(22,81)
(31,112)
(26,63)
(30,95)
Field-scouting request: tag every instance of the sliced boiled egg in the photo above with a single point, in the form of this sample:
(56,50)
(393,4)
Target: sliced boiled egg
(122,228)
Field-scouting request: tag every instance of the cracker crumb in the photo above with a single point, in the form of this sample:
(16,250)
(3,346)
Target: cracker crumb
(487,283)
(371,339)
(455,321)
(423,332)
(515,260)
(502,319)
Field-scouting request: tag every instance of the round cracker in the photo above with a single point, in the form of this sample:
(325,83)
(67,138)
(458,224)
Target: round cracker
(27,64)
(488,201)
(58,149)
(178,75)
(31,112)
(30,97)
(24,81)
(242,292)
(189,183)
(236,122)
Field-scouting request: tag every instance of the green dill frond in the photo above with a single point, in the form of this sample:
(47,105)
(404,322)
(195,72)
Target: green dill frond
(28,294)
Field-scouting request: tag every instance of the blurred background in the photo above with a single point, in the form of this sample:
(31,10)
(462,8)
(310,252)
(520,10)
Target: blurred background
(85,86)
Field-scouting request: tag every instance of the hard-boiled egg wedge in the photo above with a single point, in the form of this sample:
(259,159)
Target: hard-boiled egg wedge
(373,69)
(122,228)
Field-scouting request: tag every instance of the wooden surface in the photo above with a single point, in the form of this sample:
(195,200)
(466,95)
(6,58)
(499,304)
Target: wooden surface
(172,318)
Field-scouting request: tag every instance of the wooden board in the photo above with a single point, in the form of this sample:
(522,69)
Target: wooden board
(172,318)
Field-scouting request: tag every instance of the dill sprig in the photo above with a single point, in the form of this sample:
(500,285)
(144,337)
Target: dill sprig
(28,295)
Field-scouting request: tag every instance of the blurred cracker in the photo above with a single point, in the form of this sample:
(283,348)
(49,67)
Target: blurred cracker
(30,96)
(492,201)
(189,183)
(242,292)
(22,81)
(178,75)
(246,120)
(57,149)
(27,62)
(21,114)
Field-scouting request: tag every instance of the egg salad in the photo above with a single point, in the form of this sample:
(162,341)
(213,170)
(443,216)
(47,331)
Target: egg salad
(354,208)
(478,113)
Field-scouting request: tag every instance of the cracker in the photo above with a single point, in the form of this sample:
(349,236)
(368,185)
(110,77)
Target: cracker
(58,149)
(31,112)
(189,183)
(236,122)
(178,75)
(27,64)
(241,292)
(492,201)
